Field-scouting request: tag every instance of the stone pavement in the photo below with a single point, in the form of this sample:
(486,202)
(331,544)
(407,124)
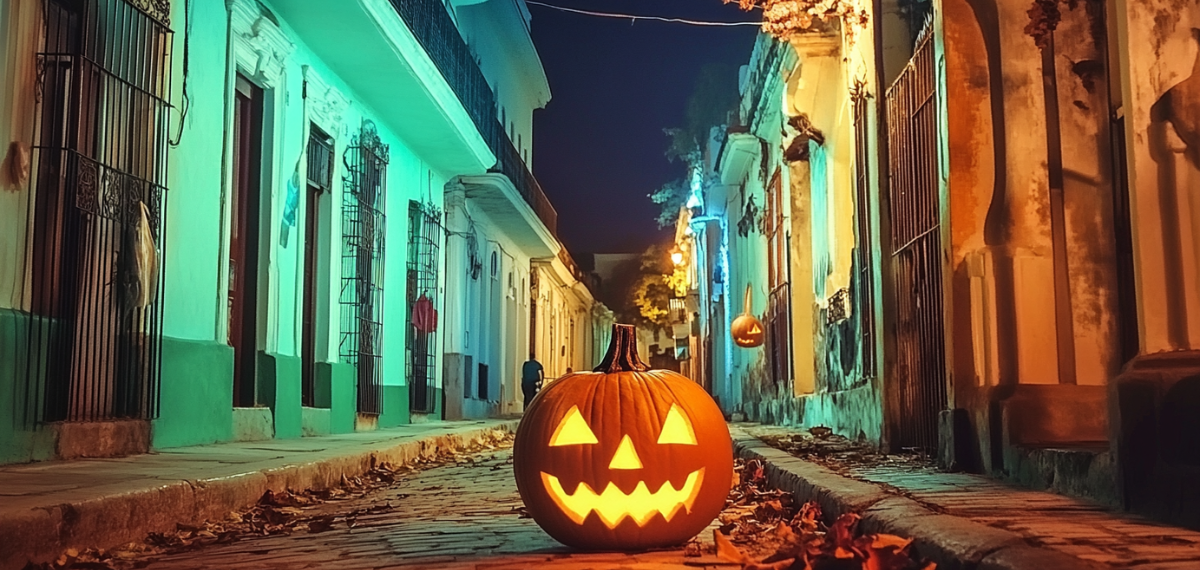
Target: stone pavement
(46,508)
(1042,520)
(454,517)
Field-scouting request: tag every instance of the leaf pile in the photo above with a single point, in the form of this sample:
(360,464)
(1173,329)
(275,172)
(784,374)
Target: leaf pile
(820,445)
(275,513)
(762,529)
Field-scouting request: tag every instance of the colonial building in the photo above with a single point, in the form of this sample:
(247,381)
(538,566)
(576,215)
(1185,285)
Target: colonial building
(970,236)
(239,220)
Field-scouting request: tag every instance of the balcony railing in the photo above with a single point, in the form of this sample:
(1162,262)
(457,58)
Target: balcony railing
(510,164)
(437,33)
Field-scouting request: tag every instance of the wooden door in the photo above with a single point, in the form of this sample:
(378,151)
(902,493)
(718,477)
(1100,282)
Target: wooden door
(244,238)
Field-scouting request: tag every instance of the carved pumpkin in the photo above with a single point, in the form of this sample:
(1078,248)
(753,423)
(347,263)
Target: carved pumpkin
(747,330)
(623,458)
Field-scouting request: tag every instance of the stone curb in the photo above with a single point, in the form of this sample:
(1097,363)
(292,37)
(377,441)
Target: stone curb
(954,543)
(42,534)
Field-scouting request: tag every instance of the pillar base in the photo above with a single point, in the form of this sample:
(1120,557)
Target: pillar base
(1155,411)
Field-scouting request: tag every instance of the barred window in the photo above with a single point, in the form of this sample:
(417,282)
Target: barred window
(98,193)
(363,224)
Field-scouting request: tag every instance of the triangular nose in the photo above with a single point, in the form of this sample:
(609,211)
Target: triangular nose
(626,457)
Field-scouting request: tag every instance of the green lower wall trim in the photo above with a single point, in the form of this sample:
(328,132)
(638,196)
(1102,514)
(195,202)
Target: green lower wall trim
(196,398)
(21,439)
(335,381)
(438,412)
(395,407)
(279,389)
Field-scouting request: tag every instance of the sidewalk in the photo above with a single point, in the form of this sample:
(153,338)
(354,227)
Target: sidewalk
(970,521)
(48,507)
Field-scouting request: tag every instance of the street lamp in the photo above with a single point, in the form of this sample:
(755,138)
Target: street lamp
(677,257)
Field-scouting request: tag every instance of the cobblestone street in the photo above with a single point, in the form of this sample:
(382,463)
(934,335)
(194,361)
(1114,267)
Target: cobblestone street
(461,516)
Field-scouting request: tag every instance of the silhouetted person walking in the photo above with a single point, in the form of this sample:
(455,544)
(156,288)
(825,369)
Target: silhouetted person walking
(532,375)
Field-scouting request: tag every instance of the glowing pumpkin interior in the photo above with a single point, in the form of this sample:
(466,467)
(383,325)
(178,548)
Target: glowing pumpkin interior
(611,504)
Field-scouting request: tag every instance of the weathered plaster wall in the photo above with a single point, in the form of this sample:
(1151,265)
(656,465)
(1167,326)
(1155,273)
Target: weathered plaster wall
(827,385)
(1160,65)
(1005,326)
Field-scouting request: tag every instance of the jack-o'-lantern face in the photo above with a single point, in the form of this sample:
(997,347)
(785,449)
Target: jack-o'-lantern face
(746,329)
(623,459)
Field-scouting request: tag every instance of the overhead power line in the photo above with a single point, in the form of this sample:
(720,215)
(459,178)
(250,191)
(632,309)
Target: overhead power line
(636,17)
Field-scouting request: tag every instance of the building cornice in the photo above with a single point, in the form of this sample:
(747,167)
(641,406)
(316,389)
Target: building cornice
(260,48)
(325,104)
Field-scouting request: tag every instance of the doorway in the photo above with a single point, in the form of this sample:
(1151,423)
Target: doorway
(244,238)
(319,180)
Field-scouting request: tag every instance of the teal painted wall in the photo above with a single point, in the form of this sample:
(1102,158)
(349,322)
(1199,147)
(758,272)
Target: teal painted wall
(20,439)
(279,389)
(197,394)
(395,406)
(336,388)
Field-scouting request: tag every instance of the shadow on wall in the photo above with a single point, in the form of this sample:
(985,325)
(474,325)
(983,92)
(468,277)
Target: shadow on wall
(1175,128)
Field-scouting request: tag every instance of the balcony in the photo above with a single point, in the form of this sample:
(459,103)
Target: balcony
(377,55)
(407,60)
(438,35)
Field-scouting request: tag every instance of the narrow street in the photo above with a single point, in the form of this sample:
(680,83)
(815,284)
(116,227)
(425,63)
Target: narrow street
(464,515)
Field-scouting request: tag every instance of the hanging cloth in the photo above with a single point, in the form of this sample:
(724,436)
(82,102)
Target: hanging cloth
(424,315)
(146,260)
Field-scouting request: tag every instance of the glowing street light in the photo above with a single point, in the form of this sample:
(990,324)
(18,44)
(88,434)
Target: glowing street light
(677,257)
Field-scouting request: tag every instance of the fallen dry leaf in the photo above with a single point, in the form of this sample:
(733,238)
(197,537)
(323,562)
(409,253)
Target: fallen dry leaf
(727,551)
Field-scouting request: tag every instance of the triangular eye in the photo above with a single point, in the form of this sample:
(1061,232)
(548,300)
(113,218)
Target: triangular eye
(677,428)
(573,430)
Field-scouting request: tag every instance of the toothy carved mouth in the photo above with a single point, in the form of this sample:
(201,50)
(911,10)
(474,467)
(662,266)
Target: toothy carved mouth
(612,505)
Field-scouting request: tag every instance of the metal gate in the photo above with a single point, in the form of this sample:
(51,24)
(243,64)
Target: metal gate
(361,298)
(424,240)
(97,200)
(917,262)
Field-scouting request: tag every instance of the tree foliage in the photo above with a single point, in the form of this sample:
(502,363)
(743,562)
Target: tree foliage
(639,290)
(785,18)
(713,96)
(670,198)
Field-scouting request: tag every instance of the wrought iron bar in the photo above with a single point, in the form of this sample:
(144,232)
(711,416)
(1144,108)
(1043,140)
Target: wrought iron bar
(917,250)
(96,209)
(361,298)
(424,240)
(864,249)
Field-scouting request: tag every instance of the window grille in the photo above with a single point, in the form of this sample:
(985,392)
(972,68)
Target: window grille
(99,156)
(917,260)
(779,318)
(864,258)
(424,239)
(363,224)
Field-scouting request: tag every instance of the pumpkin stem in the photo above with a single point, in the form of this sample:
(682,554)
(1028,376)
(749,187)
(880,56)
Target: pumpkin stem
(622,353)
(746,304)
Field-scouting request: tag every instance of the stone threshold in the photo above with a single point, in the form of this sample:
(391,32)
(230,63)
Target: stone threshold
(48,507)
(953,542)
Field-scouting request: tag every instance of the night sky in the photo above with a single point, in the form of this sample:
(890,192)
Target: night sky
(599,143)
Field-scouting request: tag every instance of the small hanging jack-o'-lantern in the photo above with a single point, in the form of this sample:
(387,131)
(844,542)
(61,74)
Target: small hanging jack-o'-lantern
(623,458)
(747,330)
